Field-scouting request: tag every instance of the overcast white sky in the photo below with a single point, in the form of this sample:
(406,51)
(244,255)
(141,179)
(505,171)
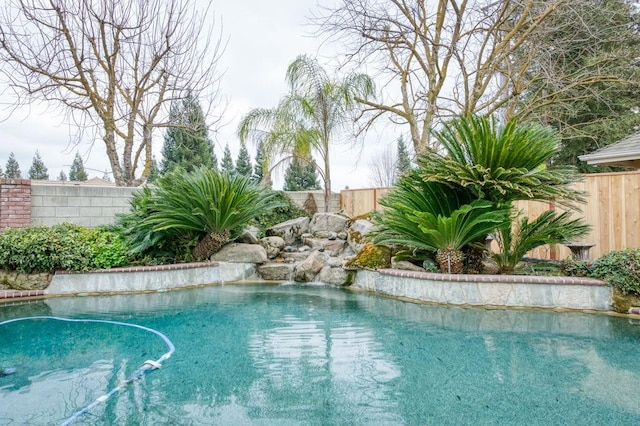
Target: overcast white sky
(264,37)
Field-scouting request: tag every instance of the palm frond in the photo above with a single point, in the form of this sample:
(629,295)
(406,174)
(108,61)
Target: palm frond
(548,228)
(206,201)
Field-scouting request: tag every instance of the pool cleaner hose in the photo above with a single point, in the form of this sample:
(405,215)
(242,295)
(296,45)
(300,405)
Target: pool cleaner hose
(137,375)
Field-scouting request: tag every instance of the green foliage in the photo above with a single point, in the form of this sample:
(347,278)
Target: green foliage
(62,177)
(500,164)
(620,269)
(412,194)
(243,162)
(186,207)
(548,228)
(307,120)
(77,172)
(38,171)
(301,175)
(433,217)
(147,246)
(403,162)
(227,162)
(186,141)
(596,45)
(258,169)
(286,210)
(575,268)
(12,168)
(65,247)
(450,202)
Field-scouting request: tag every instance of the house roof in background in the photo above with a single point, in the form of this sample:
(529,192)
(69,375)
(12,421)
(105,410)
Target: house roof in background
(625,153)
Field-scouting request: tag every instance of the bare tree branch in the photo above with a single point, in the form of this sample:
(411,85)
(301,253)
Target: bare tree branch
(111,66)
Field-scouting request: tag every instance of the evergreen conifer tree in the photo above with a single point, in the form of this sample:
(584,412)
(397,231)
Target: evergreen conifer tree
(12,169)
(186,141)
(38,170)
(243,163)
(62,176)
(227,162)
(1,173)
(403,164)
(300,176)
(77,172)
(258,171)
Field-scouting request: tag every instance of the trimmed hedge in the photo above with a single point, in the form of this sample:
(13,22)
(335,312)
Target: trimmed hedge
(65,247)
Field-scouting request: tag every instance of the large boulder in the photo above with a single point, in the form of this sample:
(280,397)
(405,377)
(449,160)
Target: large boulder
(357,234)
(276,271)
(273,246)
(249,236)
(307,270)
(328,222)
(290,231)
(333,246)
(241,253)
(11,280)
(336,276)
(406,266)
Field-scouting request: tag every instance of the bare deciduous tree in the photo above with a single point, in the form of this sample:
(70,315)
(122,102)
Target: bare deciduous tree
(112,66)
(383,169)
(442,58)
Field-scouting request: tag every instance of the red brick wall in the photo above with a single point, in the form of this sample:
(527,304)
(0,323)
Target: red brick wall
(15,203)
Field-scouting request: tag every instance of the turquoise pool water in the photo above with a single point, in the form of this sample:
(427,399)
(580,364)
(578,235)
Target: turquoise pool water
(305,355)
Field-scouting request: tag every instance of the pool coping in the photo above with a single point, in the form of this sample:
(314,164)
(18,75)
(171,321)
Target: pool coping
(502,291)
(176,276)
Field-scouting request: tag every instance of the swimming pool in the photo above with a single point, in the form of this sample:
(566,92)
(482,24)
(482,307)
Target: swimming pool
(307,355)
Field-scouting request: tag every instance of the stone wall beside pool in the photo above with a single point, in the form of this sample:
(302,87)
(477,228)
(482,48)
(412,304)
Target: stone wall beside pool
(489,290)
(149,278)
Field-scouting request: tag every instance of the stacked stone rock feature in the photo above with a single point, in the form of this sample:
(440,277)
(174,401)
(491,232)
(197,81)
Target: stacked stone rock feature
(290,231)
(272,245)
(304,250)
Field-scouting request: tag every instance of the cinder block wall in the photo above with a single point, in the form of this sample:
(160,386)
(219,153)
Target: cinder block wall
(87,205)
(25,202)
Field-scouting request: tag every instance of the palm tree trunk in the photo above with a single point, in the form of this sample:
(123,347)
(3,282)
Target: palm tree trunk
(210,245)
(450,261)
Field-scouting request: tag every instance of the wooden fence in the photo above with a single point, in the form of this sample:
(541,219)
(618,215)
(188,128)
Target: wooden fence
(612,209)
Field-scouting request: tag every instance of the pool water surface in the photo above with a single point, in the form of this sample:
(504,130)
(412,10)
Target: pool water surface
(310,355)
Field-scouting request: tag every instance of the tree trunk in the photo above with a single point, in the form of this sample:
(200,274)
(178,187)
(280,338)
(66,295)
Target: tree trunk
(209,245)
(450,261)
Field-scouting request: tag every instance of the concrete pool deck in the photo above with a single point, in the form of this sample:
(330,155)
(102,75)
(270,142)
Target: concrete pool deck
(518,291)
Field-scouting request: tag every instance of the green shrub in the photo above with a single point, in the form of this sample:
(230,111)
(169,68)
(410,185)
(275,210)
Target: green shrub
(147,246)
(205,206)
(575,268)
(621,269)
(65,247)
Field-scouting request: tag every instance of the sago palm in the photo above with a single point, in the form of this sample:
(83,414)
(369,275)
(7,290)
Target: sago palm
(433,217)
(309,118)
(215,206)
(500,163)
(548,228)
